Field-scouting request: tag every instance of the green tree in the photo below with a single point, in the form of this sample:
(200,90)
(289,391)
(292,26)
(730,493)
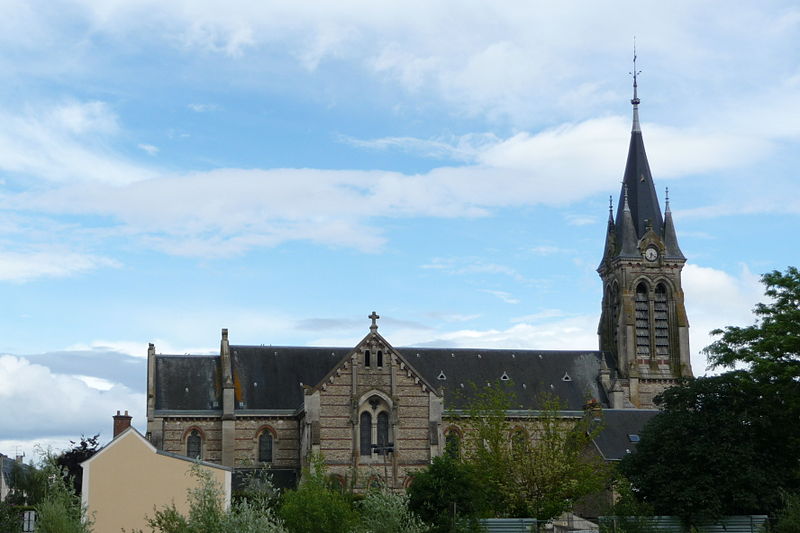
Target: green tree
(60,509)
(314,506)
(538,469)
(728,444)
(771,346)
(207,513)
(448,495)
(711,452)
(70,459)
(384,511)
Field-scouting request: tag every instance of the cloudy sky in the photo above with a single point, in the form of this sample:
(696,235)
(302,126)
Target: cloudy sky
(282,169)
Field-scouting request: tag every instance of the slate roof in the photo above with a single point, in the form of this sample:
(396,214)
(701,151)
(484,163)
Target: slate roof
(642,198)
(614,440)
(271,377)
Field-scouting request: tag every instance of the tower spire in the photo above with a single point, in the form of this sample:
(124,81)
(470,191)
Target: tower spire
(635,100)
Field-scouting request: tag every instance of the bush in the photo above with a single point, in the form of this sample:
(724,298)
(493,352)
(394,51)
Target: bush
(383,511)
(314,507)
(207,512)
(60,510)
(789,516)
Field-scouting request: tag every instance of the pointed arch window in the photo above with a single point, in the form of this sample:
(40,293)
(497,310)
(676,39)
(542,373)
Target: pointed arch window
(452,444)
(383,429)
(380,359)
(365,429)
(194,445)
(642,309)
(661,321)
(265,447)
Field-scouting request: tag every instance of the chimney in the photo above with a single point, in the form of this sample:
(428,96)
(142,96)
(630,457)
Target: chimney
(121,422)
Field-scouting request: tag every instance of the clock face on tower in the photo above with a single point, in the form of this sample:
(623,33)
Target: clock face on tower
(651,254)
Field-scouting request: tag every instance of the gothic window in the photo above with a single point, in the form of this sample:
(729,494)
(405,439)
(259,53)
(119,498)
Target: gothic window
(366,358)
(265,447)
(365,423)
(194,444)
(380,358)
(661,321)
(383,429)
(519,439)
(642,309)
(452,444)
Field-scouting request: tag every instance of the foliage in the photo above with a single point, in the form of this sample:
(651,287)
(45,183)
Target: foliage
(538,470)
(314,506)
(383,511)
(10,518)
(28,485)
(446,490)
(60,510)
(628,514)
(70,460)
(789,516)
(207,513)
(721,446)
(742,425)
(770,347)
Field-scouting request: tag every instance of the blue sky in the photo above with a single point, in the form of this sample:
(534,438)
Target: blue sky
(284,168)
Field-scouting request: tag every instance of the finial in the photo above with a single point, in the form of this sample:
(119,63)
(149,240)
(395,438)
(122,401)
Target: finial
(610,209)
(374,317)
(667,201)
(635,100)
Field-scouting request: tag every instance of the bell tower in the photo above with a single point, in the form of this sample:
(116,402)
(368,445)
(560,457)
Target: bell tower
(643,323)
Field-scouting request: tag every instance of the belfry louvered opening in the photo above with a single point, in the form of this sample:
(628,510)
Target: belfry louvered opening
(661,321)
(642,321)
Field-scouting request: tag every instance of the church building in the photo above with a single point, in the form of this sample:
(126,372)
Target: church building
(377,412)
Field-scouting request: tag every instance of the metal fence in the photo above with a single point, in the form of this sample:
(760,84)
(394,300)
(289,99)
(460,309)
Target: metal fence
(673,524)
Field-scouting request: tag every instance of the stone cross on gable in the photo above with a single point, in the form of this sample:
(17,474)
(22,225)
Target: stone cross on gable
(374,317)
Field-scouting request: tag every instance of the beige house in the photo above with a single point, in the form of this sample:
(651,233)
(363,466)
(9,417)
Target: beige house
(124,481)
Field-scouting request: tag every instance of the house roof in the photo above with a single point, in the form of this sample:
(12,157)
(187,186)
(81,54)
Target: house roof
(620,431)
(271,377)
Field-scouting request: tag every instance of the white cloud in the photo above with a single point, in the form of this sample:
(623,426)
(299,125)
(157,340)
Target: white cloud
(149,148)
(65,143)
(560,333)
(507,297)
(40,403)
(202,108)
(715,299)
(26,266)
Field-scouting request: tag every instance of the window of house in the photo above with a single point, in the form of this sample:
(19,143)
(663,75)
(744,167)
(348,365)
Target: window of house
(366,358)
(383,429)
(365,423)
(265,447)
(194,443)
(380,358)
